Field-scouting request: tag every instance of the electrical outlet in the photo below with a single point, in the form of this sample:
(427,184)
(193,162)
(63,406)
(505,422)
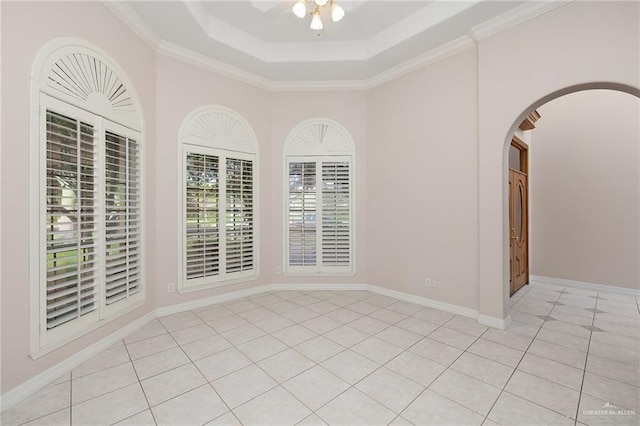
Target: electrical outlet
(430,282)
(171,287)
(278,270)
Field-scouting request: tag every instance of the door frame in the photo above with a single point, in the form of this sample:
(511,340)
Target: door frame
(523,148)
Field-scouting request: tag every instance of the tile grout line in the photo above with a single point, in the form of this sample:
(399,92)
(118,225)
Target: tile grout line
(438,376)
(203,376)
(97,396)
(315,364)
(139,381)
(516,369)
(284,350)
(344,350)
(71,397)
(288,347)
(393,323)
(586,360)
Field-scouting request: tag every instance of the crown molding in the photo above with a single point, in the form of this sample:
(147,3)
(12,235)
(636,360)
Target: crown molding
(493,26)
(132,20)
(207,63)
(435,55)
(514,17)
(348,50)
(317,86)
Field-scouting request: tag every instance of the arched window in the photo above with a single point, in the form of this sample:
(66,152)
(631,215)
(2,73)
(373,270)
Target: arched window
(86,135)
(217,199)
(319,158)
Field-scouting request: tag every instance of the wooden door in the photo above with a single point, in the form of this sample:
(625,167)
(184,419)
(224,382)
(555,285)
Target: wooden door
(518,216)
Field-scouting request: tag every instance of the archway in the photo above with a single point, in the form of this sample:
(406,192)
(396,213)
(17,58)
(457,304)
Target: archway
(634,91)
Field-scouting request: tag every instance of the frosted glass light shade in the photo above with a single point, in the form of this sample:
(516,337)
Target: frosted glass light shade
(300,9)
(321,2)
(337,13)
(316,21)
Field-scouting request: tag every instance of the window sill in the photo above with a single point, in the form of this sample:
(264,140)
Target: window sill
(183,290)
(36,353)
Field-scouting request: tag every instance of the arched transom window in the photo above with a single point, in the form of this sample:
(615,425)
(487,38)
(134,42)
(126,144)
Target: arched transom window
(319,160)
(218,199)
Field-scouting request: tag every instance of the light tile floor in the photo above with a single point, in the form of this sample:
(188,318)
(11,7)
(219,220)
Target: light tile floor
(354,357)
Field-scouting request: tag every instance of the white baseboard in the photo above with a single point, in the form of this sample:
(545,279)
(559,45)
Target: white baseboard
(40,381)
(494,322)
(419,300)
(318,286)
(604,288)
(199,303)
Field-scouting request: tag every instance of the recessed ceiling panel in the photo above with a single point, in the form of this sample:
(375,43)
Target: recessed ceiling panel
(374,37)
(279,25)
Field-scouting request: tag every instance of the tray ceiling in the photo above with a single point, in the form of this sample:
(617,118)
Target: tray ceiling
(262,38)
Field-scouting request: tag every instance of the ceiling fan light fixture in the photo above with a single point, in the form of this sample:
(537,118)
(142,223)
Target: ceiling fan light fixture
(300,9)
(316,21)
(337,13)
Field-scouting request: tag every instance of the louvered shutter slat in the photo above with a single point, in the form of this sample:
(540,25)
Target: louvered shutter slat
(336,199)
(239,215)
(122,212)
(70,224)
(201,213)
(302,214)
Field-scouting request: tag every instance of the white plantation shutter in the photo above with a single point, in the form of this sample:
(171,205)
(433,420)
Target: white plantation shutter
(90,220)
(302,214)
(86,239)
(239,215)
(71,250)
(336,214)
(218,210)
(202,239)
(319,156)
(122,217)
(319,215)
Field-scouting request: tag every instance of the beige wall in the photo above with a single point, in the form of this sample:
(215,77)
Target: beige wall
(422,197)
(288,110)
(26,27)
(431,143)
(585,190)
(581,44)
(180,89)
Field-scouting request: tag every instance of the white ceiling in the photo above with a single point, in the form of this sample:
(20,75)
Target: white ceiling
(264,39)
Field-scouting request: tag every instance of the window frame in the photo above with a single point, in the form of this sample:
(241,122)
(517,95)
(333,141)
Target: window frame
(96,111)
(306,143)
(193,137)
(222,278)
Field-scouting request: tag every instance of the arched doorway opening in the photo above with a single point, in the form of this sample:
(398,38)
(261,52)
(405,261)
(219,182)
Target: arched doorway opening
(507,146)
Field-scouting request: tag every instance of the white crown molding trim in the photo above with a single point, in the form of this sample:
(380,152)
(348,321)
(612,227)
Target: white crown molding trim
(201,61)
(131,19)
(515,16)
(431,57)
(348,50)
(601,288)
(493,26)
(494,322)
(430,16)
(317,86)
(33,385)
